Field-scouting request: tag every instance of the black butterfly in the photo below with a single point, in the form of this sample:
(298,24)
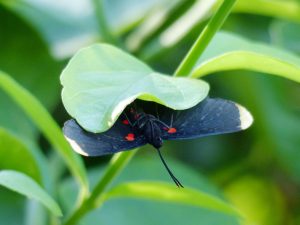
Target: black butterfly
(148,122)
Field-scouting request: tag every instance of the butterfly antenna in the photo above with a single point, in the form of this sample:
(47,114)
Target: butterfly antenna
(176,181)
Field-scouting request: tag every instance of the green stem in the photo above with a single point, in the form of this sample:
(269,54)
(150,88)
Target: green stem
(117,163)
(43,120)
(204,38)
(104,30)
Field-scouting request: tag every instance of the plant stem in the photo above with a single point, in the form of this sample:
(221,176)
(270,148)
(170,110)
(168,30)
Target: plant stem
(117,163)
(204,38)
(43,120)
(104,30)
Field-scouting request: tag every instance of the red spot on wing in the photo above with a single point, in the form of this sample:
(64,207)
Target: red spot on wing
(126,122)
(130,137)
(172,130)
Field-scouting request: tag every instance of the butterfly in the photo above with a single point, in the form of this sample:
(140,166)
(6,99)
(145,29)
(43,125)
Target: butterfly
(151,123)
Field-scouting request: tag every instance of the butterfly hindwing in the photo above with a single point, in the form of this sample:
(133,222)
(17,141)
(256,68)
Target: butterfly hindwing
(118,138)
(209,117)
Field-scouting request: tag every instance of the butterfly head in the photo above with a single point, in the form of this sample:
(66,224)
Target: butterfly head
(157,141)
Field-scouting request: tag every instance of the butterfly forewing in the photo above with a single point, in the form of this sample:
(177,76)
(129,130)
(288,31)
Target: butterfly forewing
(119,137)
(210,117)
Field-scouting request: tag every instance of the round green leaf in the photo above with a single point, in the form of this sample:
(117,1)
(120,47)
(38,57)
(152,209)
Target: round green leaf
(24,185)
(101,80)
(231,52)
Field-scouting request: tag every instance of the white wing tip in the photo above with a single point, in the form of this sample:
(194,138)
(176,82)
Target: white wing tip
(245,117)
(76,147)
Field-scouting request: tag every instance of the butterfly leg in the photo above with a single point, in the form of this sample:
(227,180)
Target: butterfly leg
(162,123)
(171,120)
(137,122)
(157,115)
(127,118)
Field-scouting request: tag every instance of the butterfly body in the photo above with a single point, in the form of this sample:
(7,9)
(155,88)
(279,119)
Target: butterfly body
(149,126)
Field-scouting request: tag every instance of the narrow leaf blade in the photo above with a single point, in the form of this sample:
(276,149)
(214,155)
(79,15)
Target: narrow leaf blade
(164,192)
(287,10)
(14,155)
(24,185)
(231,52)
(43,120)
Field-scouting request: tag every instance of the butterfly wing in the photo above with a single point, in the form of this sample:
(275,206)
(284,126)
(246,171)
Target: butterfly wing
(119,137)
(209,117)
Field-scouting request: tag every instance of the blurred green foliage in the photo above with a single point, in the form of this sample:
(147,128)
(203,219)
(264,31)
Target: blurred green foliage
(256,170)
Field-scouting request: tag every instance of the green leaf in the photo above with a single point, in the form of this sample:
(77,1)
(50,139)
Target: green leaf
(12,207)
(148,167)
(230,52)
(43,120)
(24,185)
(101,80)
(158,191)
(25,56)
(14,155)
(285,9)
(286,35)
